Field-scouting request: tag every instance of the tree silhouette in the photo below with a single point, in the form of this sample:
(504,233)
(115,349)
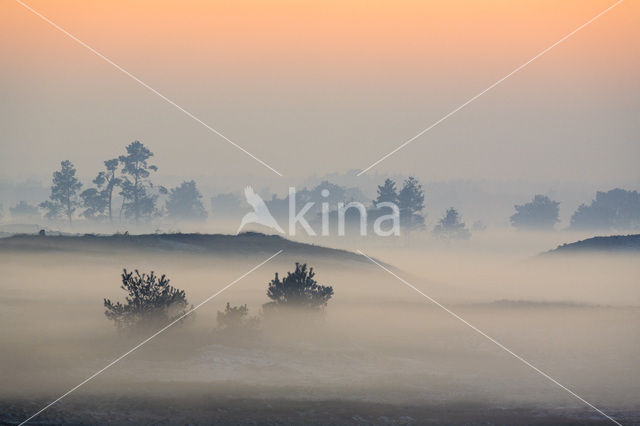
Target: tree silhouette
(541,213)
(151,301)
(98,201)
(138,200)
(24,210)
(451,227)
(184,202)
(387,193)
(298,289)
(411,204)
(64,193)
(614,209)
(94,204)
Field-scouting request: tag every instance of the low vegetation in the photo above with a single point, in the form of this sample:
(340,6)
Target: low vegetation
(150,302)
(298,289)
(236,319)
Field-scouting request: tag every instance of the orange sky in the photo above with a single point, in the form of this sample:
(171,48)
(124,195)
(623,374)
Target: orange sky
(334,74)
(336,36)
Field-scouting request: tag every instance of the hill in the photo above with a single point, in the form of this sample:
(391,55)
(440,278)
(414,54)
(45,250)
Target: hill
(218,245)
(610,244)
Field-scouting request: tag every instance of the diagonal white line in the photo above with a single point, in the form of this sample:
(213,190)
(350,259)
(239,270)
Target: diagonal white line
(500,345)
(148,339)
(407,142)
(142,83)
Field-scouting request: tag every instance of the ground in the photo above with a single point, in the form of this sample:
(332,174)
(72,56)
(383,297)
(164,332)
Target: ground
(203,410)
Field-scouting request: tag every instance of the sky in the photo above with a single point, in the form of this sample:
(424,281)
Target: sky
(319,87)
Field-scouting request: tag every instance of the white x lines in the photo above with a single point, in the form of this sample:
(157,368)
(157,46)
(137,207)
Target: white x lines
(485,335)
(145,85)
(455,110)
(145,341)
(401,146)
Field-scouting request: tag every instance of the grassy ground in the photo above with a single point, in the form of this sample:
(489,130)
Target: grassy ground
(203,410)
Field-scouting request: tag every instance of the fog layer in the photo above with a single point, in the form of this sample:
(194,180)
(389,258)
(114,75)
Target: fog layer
(379,340)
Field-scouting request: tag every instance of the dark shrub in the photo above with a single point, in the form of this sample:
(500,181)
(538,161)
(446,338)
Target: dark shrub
(298,290)
(151,302)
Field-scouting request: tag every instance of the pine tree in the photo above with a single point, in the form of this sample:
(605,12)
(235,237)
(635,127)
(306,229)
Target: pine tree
(151,302)
(64,193)
(451,226)
(411,204)
(386,193)
(138,200)
(98,201)
(298,289)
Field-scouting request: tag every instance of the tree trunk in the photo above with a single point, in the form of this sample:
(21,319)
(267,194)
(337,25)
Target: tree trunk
(69,206)
(135,192)
(110,195)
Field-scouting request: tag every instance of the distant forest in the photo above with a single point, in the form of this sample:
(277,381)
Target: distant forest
(124,192)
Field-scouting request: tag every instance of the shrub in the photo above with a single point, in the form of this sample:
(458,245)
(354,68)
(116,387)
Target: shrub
(298,289)
(151,302)
(235,318)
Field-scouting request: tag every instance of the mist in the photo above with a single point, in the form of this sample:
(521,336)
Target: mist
(378,341)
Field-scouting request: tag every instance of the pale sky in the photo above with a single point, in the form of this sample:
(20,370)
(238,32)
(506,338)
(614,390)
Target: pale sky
(326,87)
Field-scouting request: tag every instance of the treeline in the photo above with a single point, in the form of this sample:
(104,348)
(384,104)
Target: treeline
(129,177)
(617,209)
(124,191)
(408,199)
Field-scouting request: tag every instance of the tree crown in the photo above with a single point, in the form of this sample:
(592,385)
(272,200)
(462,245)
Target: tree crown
(150,300)
(299,289)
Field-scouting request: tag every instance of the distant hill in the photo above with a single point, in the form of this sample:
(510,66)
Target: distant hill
(218,245)
(611,244)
